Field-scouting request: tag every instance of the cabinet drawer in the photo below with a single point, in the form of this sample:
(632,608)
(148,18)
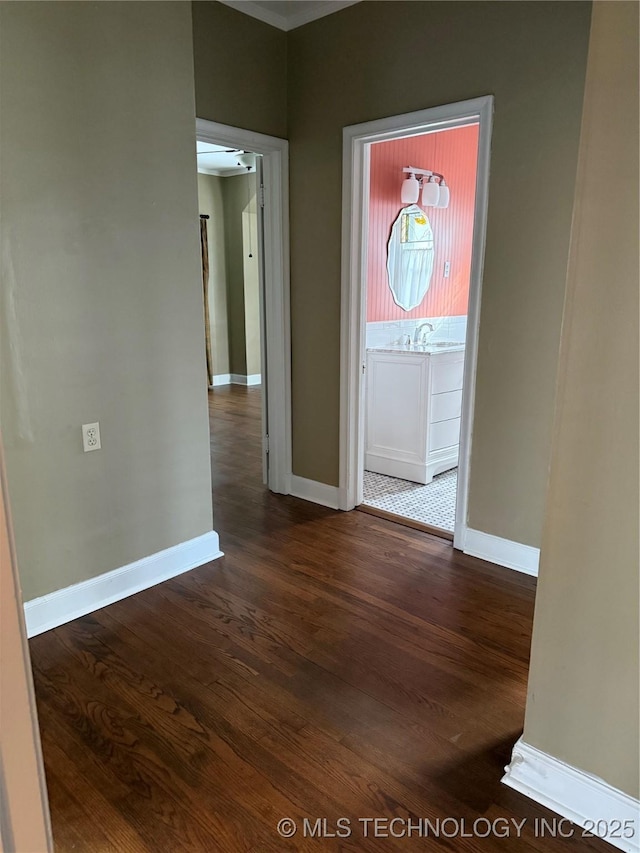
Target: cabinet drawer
(446,406)
(444,434)
(447,376)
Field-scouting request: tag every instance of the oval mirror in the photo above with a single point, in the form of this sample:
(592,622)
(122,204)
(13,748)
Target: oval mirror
(410,257)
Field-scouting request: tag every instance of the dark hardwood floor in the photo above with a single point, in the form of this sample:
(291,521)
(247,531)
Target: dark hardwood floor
(331,665)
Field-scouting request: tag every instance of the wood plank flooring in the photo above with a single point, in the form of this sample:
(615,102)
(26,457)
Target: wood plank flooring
(331,665)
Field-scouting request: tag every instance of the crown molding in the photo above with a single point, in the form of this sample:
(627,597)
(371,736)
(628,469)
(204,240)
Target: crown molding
(308,12)
(226,173)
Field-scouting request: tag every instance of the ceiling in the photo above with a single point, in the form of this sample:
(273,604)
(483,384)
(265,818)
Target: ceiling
(288,14)
(219,160)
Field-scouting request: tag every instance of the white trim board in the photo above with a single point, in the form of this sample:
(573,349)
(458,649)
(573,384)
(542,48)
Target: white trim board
(236,379)
(221,379)
(317,493)
(274,219)
(502,552)
(251,379)
(56,608)
(586,800)
(357,140)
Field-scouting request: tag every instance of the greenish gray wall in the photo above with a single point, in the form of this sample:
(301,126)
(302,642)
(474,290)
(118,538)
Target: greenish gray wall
(379,59)
(101,315)
(240,69)
(582,705)
(238,194)
(211,202)
(234,305)
(251,288)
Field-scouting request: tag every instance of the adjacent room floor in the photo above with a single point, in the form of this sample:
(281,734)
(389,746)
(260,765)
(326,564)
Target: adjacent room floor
(433,504)
(331,665)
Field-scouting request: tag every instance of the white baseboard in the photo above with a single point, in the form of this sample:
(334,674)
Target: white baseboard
(236,379)
(317,493)
(221,379)
(251,379)
(56,608)
(503,552)
(584,799)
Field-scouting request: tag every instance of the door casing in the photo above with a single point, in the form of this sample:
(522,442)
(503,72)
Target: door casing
(273,228)
(357,140)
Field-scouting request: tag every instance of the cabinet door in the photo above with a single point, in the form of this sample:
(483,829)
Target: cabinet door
(397,406)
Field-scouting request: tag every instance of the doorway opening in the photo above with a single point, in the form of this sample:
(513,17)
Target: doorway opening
(243,190)
(415,197)
(232,267)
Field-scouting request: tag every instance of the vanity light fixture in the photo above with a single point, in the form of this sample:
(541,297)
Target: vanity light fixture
(410,189)
(430,192)
(443,200)
(435,192)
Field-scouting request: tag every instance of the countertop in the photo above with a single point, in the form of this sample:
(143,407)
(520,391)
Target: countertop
(418,349)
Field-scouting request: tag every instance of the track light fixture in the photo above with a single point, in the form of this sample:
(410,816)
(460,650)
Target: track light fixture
(247,159)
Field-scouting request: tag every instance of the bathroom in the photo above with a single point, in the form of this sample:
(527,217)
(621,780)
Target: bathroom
(422,193)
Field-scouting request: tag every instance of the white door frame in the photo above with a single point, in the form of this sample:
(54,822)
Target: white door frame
(24,805)
(277,315)
(355,189)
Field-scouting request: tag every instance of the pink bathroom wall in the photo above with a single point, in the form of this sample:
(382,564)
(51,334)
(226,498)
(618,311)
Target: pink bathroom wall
(454,154)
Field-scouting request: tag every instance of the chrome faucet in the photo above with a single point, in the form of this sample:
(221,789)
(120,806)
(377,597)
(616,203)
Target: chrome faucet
(418,338)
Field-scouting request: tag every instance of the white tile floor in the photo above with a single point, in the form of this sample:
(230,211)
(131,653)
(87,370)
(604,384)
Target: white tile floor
(433,504)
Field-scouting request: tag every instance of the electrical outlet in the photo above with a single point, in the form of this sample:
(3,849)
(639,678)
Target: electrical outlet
(91,437)
(447,269)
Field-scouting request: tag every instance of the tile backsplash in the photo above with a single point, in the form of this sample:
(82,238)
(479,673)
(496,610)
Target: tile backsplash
(395,331)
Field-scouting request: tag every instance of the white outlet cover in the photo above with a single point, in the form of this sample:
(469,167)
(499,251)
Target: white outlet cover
(91,437)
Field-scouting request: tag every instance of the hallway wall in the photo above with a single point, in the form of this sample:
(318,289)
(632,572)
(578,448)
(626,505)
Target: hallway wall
(240,69)
(582,704)
(101,315)
(251,288)
(418,55)
(234,305)
(239,194)
(210,198)
(335,77)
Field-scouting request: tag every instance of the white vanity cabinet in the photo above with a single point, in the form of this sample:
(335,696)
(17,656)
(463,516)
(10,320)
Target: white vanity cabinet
(413,405)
